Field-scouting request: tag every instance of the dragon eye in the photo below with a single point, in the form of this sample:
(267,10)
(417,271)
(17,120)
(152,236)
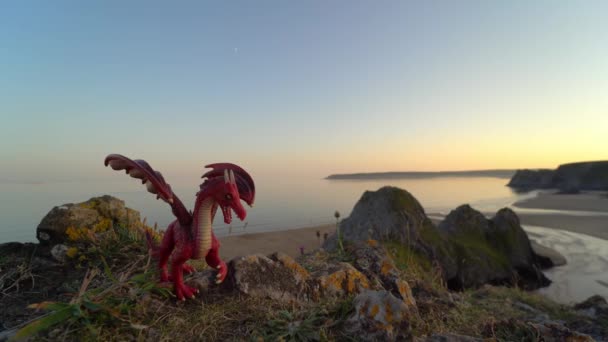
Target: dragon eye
(228,197)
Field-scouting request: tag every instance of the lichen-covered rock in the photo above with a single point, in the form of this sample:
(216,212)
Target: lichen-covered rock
(98,210)
(337,280)
(372,260)
(380,316)
(278,277)
(387,214)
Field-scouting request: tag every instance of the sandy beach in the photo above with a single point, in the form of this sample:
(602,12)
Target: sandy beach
(286,241)
(584,223)
(589,201)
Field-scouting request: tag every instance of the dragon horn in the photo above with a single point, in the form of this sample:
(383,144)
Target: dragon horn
(232,179)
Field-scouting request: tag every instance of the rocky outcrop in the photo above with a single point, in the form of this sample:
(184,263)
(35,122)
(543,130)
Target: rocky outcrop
(532,179)
(387,214)
(495,251)
(569,178)
(470,249)
(96,213)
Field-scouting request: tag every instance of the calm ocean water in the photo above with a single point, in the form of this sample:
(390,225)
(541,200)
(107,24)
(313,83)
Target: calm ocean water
(287,204)
(290,203)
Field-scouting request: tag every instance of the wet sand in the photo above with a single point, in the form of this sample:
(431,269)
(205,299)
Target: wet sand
(584,213)
(588,201)
(596,226)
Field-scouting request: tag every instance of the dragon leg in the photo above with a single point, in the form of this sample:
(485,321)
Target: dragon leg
(213,260)
(166,247)
(181,290)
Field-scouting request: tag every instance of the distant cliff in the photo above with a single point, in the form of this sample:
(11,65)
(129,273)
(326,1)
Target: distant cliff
(420,174)
(569,177)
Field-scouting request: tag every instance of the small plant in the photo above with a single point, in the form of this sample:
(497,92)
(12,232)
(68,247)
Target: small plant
(338,232)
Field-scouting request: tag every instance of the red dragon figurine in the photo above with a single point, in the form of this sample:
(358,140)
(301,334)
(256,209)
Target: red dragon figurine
(191,235)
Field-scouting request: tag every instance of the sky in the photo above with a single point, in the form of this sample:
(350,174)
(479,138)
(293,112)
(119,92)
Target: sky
(301,89)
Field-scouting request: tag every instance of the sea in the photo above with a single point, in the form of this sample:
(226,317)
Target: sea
(290,203)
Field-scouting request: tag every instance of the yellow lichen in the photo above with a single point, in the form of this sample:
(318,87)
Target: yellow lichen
(71,252)
(388,312)
(293,265)
(102,226)
(79,234)
(386,267)
(374,311)
(348,281)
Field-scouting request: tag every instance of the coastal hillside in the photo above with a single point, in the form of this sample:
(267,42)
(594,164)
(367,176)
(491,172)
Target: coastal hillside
(415,174)
(388,274)
(571,177)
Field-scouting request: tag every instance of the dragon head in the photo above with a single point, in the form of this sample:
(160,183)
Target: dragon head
(230,185)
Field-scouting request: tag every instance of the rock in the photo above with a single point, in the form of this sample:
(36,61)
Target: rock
(594,307)
(337,280)
(278,277)
(569,189)
(204,281)
(89,214)
(59,252)
(387,214)
(380,316)
(495,251)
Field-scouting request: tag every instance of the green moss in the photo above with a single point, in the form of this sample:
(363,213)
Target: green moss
(469,245)
(404,201)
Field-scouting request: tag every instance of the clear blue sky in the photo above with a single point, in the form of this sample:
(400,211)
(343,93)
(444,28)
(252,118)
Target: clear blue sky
(313,87)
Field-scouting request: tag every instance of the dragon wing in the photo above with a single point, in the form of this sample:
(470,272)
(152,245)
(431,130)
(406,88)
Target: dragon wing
(154,181)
